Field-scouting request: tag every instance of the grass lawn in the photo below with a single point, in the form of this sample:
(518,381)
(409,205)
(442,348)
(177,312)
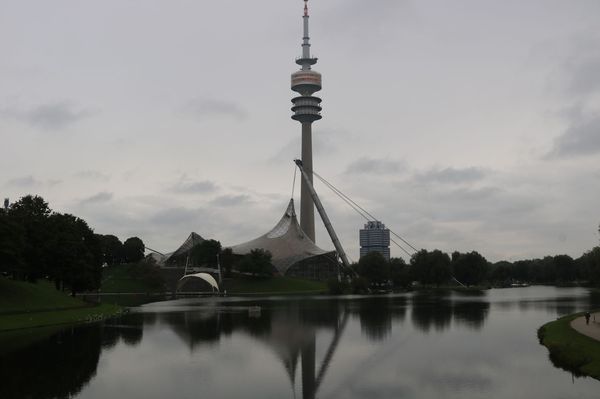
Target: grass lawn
(275,285)
(20,296)
(26,305)
(58,317)
(569,349)
(124,278)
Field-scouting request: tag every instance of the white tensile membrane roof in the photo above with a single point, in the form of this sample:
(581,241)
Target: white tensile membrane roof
(286,242)
(202,276)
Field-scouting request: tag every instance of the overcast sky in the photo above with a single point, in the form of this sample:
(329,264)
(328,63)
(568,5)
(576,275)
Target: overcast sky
(463,125)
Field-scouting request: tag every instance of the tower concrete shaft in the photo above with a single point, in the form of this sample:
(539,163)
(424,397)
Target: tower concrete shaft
(307,207)
(307,109)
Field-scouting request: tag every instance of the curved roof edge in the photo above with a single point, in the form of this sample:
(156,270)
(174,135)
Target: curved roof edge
(202,276)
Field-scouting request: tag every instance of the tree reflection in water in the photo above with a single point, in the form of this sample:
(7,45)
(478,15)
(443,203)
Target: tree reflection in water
(62,364)
(57,367)
(432,310)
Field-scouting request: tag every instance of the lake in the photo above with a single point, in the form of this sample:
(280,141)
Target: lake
(441,344)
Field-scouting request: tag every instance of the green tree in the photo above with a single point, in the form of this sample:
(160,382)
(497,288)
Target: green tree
(469,268)
(431,267)
(75,254)
(399,273)
(566,270)
(32,214)
(133,250)
(521,270)
(257,263)
(501,273)
(112,249)
(374,268)
(205,253)
(12,245)
(592,261)
(227,259)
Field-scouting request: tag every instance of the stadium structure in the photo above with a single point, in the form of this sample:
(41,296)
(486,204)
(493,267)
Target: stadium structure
(291,244)
(293,252)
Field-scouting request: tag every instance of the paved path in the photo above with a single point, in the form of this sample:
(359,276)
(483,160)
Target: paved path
(592,330)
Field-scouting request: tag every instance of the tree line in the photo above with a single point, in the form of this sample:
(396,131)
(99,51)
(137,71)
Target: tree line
(36,242)
(436,268)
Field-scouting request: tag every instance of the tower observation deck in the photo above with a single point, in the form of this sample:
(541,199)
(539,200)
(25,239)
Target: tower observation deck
(306,109)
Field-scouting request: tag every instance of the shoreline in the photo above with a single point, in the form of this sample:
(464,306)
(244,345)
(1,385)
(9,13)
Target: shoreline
(569,349)
(34,319)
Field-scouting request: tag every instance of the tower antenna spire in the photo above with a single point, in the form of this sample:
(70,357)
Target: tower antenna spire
(306,8)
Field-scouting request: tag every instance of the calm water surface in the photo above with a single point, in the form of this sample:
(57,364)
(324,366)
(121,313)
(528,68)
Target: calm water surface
(416,345)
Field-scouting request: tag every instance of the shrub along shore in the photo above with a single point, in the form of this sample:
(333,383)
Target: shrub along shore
(569,349)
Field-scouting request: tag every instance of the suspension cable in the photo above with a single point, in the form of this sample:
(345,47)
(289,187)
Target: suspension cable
(361,211)
(339,194)
(402,248)
(294,183)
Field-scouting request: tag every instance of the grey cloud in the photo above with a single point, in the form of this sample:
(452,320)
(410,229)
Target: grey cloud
(191,187)
(51,116)
(582,68)
(581,138)
(97,198)
(375,166)
(453,175)
(367,13)
(92,175)
(25,181)
(582,84)
(204,107)
(177,216)
(231,200)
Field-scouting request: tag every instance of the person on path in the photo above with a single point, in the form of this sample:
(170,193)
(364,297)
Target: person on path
(587,318)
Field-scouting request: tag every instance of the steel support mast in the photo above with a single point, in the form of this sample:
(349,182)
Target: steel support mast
(334,238)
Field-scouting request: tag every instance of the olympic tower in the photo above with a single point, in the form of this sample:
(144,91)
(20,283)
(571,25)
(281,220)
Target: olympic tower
(306,109)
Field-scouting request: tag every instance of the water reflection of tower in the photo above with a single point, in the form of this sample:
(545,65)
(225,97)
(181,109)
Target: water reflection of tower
(307,109)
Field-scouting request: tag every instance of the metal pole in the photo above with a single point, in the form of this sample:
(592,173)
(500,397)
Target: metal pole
(220,274)
(324,217)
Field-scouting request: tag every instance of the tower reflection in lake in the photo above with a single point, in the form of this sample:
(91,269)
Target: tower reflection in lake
(417,344)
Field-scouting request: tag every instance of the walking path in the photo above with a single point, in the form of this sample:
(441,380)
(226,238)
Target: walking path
(592,330)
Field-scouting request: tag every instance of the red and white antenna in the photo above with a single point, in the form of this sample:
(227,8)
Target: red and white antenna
(306,8)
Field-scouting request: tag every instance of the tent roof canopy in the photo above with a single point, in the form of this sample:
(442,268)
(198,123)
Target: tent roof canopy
(202,276)
(286,242)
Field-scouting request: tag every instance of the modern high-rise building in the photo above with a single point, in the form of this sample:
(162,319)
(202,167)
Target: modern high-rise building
(307,109)
(375,238)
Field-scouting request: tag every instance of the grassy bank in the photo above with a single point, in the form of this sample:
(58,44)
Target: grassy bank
(569,349)
(275,285)
(57,317)
(20,296)
(26,305)
(131,278)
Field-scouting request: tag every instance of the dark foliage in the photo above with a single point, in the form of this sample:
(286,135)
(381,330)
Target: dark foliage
(133,250)
(112,249)
(205,254)
(257,263)
(470,268)
(400,273)
(38,243)
(431,267)
(374,268)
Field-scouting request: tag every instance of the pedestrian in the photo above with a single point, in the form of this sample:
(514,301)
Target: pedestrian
(587,318)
